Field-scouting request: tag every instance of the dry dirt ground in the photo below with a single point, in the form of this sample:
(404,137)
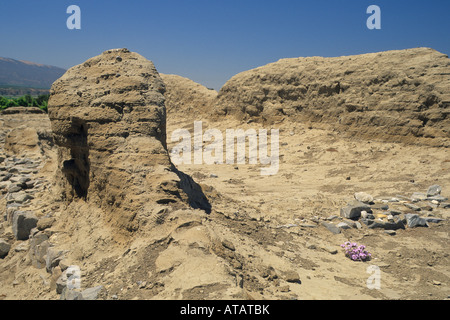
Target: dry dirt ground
(274,224)
(319,173)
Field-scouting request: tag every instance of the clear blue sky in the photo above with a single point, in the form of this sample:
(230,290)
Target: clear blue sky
(209,41)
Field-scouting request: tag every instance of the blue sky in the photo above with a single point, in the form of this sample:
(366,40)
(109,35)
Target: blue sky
(209,41)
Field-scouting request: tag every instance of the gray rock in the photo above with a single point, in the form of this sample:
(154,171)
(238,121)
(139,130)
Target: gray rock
(438,198)
(4,248)
(331,227)
(14,188)
(434,190)
(419,196)
(92,293)
(6,177)
(411,206)
(19,197)
(433,219)
(387,225)
(367,221)
(343,225)
(413,220)
(53,257)
(30,184)
(353,210)
(363,197)
(23,222)
(307,225)
(445,205)
(366,215)
(380,206)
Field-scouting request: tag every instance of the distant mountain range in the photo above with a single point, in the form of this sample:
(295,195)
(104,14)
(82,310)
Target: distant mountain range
(24,74)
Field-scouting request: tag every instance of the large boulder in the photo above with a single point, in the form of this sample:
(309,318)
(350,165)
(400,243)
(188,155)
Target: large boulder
(109,123)
(400,95)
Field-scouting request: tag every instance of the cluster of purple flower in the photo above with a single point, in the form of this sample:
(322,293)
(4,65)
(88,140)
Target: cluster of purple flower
(356,252)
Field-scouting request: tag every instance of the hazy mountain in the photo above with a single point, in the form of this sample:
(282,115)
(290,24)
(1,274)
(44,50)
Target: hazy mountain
(27,74)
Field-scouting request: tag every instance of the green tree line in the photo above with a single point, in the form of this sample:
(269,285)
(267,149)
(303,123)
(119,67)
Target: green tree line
(27,100)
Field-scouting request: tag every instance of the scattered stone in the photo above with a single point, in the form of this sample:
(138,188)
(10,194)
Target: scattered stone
(19,197)
(292,276)
(287,226)
(413,220)
(350,223)
(23,222)
(343,225)
(307,225)
(438,198)
(387,225)
(411,206)
(434,190)
(433,219)
(419,196)
(390,232)
(14,188)
(380,206)
(4,248)
(445,205)
(331,227)
(366,215)
(353,210)
(363,197)
(6,177)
